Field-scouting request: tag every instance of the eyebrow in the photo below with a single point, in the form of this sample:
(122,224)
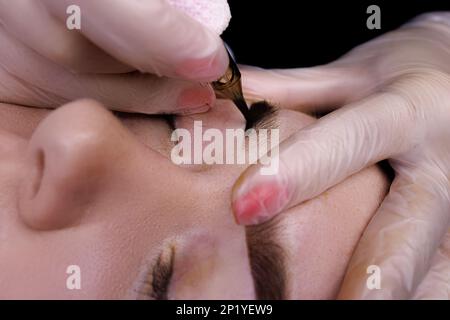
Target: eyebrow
(262,115)
(267,260)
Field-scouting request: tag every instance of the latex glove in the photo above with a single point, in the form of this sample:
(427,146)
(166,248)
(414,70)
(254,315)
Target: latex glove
(436,284)
(43,63)
(396,92)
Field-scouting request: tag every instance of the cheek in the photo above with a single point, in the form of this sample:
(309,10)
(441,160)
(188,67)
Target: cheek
(154,133)
(36,268)
(12,161)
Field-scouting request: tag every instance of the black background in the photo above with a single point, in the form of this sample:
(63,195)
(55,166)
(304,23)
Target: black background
(300,33)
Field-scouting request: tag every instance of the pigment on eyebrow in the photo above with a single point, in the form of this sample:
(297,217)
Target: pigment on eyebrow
(267,261)
(262,115)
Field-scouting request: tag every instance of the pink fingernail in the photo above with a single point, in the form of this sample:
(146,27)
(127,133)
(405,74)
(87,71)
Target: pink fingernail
(195,100)
(205,69)
(260,204)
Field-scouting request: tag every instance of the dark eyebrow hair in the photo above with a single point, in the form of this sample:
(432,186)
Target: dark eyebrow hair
(262,115)
(267,260)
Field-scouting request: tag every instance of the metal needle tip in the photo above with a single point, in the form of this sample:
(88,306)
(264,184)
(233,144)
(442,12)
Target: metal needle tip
(230,86)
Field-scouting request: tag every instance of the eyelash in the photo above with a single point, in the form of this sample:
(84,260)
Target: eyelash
(161,275)
(261,114)
(170,120)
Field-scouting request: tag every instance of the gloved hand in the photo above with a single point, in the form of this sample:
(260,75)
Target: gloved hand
(43,63)
(396,96)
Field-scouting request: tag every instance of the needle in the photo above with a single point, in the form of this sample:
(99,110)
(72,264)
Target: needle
(230,86)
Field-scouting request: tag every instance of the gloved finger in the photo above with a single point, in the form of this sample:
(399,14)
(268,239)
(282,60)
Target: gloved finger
(402,238)
(65,47)
(436,284)
(29,79)
(189,50)
(325,153)
(310,90)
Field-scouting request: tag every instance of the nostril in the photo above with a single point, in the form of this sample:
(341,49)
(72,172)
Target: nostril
(38,168)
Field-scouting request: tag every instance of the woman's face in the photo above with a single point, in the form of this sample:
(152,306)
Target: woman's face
(80,187)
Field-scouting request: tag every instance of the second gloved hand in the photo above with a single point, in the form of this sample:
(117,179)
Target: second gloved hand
(396,92)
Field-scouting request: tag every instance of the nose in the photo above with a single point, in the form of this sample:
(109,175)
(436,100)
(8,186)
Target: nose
(73,155)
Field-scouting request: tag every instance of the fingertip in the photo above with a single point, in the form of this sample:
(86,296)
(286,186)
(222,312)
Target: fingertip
(238,207)
(256,202)
(195,99)
(205,69)
(249,211)
(208,19)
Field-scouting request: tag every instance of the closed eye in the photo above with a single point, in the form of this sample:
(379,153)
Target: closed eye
(159,276)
